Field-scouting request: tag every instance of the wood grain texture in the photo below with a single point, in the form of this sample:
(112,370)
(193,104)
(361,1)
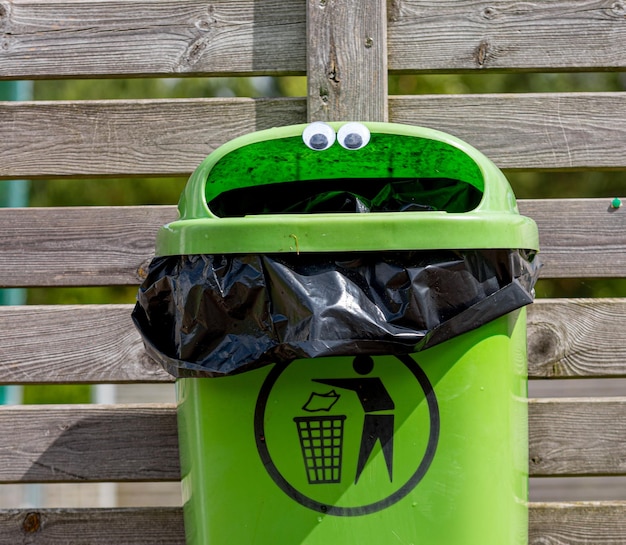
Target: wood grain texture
(131,526)
(600,523)
(79,246)
(85,246)
(99,343)
(80,443)
(170,137)
(347,60)
(583,523)
(132,138)
(73,344)
(427,35)
(579,237)
(583,436)
(165,37)
(576,338)
(528,131)
(152,37)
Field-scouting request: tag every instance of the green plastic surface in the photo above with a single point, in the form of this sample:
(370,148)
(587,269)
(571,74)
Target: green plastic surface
(279,156)
(270,456)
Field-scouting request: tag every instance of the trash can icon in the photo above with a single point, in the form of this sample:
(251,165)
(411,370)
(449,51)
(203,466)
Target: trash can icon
(301,249)
(321,440)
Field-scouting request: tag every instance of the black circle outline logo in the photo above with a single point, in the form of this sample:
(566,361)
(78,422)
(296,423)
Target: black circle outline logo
(422,468)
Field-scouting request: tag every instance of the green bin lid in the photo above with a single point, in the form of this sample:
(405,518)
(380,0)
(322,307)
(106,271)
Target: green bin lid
(298,156)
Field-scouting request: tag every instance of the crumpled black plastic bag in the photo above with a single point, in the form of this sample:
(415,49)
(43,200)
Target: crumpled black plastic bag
(215,315)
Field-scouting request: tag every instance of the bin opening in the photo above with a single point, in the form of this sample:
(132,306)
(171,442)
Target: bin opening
(390,173)
(348,195)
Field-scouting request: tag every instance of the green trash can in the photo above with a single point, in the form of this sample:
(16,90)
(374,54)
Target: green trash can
(342,306)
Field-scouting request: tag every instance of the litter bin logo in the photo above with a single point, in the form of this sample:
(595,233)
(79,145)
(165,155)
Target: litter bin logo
(323,425)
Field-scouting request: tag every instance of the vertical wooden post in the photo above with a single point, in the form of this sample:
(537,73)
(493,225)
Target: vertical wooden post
(347,60)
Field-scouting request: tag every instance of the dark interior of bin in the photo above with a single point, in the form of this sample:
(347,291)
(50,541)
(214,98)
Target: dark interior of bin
(348,195)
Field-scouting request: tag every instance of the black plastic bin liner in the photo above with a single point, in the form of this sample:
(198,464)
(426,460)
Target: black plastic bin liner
(215,315)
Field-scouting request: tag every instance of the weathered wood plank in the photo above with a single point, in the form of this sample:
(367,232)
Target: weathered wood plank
(584,523)
(600,523)
(113,245)
(74,246)
(115,138)
(163,37)
(554,524)
(78,443)
(577,436)
(99,344)
(132,526)
(527,131)
(152,37)
(576,338)
(171,137)
(73,344)
(347,60)
(579,237)
(501,35)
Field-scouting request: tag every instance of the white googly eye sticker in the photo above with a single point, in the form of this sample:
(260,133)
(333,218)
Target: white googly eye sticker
(319,136)
(353,136)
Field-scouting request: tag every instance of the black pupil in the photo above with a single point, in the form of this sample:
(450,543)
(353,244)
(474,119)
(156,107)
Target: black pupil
(318,141)
(353,141)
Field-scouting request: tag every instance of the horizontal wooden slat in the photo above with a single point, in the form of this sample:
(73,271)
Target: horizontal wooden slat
(582,436)
(79,443)
(528,131)
(551,523)
(151,37)
(116,138)
(171,137)
(73,344)
(78,246)
(163,37)
(579,237)
(94,246)
(99,344)
(600,523)
(470,34)
(131,526)
(584,523)
(576,338)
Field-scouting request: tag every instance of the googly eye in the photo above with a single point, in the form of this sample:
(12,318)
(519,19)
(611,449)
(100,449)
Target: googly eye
(353,136)
(319,136)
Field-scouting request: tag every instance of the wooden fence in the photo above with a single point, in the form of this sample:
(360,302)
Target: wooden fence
(346,50)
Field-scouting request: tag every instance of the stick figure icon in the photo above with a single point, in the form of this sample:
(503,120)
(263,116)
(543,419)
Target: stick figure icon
(374,398)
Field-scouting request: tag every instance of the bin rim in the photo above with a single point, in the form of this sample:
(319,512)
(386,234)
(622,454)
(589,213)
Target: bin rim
(494,223)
